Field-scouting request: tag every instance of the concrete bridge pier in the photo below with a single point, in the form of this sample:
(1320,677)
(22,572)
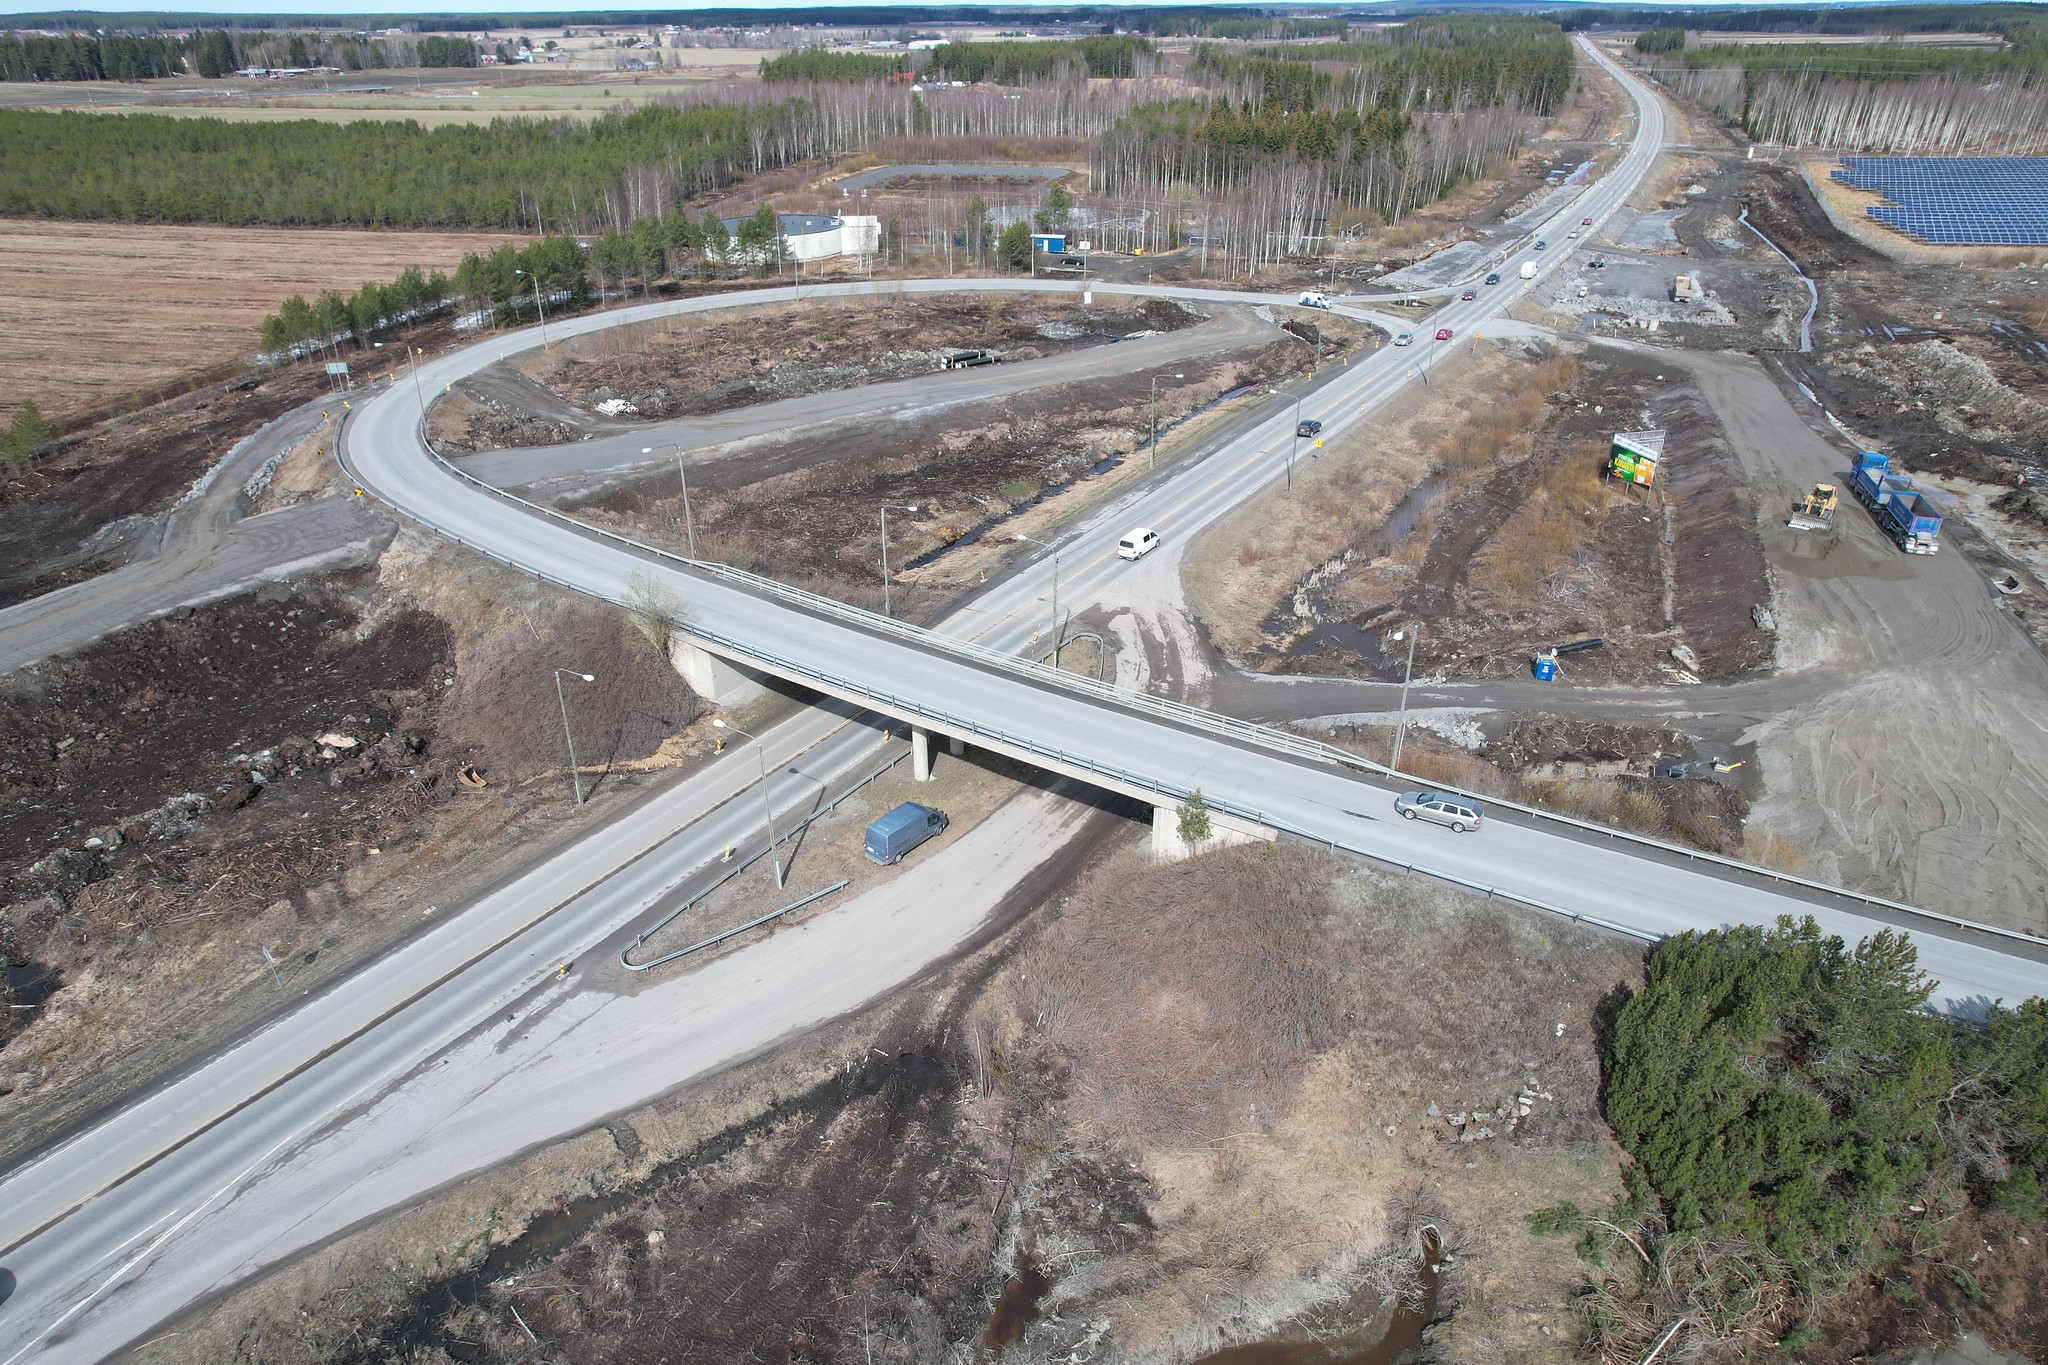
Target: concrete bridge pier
(1224,832)
(720,682)
(921,751)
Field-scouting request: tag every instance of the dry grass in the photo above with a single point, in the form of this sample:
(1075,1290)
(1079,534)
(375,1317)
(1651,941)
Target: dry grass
(1250,1024)
(1547,532)
(1246,566)
(95,312)
(1213,1036)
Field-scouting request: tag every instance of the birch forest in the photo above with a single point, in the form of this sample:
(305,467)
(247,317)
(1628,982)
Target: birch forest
(1877,97)
(1249,150)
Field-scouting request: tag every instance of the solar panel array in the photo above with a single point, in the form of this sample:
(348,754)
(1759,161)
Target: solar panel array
(1964,200)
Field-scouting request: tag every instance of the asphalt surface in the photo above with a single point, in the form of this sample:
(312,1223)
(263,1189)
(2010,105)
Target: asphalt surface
(617,454)
(206,549)
(253,1157)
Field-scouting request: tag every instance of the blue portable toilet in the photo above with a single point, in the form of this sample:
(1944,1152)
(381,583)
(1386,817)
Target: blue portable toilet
(1546,666)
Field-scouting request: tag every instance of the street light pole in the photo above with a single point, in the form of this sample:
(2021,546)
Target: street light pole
(1294,442)
(1407,676)
(537,304)
(761,752)
(1152,447)
(887,507)
(419,393)
(689,522)
(1056,632)
(575,773)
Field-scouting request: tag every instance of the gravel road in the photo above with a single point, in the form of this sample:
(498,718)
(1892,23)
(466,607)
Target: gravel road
(207,549)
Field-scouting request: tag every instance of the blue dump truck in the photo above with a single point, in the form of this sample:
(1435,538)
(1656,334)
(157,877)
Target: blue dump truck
(901,830)
(1901,511)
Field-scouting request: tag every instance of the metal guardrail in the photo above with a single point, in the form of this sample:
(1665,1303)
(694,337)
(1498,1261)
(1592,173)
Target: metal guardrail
(1195,718)
(725,934)
(742,865)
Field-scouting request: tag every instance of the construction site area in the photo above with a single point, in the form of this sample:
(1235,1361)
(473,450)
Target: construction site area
(1625,494)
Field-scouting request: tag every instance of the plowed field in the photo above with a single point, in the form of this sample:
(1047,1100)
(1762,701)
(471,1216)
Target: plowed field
(94,313)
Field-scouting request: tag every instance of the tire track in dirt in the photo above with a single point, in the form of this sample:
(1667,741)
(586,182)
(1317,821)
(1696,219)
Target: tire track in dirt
(1923,771)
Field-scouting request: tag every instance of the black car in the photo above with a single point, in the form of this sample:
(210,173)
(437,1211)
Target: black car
(1308,426)
(1072,262)
(1493,277)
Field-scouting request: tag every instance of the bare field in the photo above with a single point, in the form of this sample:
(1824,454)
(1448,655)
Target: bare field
(578,91)
(95,313)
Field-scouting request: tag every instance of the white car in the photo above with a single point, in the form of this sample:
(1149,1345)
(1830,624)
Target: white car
(1137,544)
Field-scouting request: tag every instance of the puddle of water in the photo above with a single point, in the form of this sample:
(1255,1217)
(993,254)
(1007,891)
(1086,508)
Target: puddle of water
(30,983)
(1017,1307)
(1347,635)
(1403,1333)
(1406,514)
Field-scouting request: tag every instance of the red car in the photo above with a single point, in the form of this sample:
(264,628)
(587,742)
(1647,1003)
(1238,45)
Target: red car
(1585,222)
(1443,334)
(1469,294)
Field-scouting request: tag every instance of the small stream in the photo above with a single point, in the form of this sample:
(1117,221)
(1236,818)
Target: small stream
(1333,634)
(1403,1333)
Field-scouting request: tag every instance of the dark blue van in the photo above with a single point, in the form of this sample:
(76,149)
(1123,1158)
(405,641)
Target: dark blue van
(901,830)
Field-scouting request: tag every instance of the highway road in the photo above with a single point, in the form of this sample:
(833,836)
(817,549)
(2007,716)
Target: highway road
(1128,747)
(99,1263)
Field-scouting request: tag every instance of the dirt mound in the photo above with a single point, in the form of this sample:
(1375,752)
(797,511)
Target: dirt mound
(168,707)
(1784,210)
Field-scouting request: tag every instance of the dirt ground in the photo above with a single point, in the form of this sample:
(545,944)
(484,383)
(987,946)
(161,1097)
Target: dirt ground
(281,771)
(97,315)
(991,1165)
(1508,540)
(132,466)
(1942,365)
(804,512)
(696,364)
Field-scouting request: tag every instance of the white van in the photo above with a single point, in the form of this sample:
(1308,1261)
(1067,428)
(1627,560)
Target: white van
(1312,299)
(1137,544)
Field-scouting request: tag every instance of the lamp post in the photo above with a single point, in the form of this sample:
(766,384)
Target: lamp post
(1056,632)
(1152,448)
(575,773)
(760,752)
(537,304)
(1408,675)
(887,508)
(413,354)
(1294,441)
(689,522)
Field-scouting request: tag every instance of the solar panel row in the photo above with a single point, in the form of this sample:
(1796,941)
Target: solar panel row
(1962,200)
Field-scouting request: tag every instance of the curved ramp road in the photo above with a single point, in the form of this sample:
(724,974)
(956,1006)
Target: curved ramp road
(902,400)
(918,676)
